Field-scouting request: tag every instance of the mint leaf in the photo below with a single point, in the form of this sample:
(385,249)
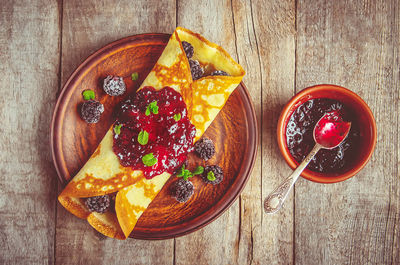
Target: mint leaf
(152,107)
(187,174)
(177,117)
(155,110)
(88,94)
(210,176)
(135,76)
(181,171)
(143,137)
(149,160)
(199,170)
(117,129)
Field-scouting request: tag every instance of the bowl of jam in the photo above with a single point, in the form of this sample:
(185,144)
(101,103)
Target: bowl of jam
(295,133)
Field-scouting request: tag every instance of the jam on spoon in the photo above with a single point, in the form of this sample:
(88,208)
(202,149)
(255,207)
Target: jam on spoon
(329,132)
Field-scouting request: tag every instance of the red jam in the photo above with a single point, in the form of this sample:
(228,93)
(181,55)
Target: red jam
(331,129)
(170,132)
(300,141)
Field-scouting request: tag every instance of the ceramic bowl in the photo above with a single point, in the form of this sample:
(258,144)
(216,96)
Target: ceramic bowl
(362,114)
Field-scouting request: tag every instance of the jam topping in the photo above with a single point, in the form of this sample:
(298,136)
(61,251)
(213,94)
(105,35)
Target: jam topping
(153,132)
(300,141)
(331,129)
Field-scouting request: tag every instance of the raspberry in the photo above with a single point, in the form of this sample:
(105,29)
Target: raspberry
(196,69)
(219,72)
(188,48)
(218,174)
(91,111)
(182,190)
(204,148)
(98,204)
(114,85)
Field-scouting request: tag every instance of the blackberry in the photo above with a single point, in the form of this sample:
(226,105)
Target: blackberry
(98,204)
(219,72)
(91,111)
(182,190)
(218,174)
(114,85)
(204,148)
(196,69)
(188,48)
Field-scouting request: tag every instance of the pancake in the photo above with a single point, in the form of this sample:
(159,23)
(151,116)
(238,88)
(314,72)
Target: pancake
(103,174)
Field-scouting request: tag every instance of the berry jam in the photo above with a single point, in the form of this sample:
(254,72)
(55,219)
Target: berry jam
(331,129)
(300,141)
(170,133)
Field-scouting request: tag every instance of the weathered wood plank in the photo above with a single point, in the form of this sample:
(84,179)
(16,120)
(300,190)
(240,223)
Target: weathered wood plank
(266,43)
(249,203)
(29,58)
(215,243)
(88,26)
(355,45)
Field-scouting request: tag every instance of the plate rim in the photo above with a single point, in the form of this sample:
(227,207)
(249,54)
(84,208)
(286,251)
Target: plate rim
(209,215)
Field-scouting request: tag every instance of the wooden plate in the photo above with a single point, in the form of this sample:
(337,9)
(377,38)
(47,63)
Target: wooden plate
(234,132)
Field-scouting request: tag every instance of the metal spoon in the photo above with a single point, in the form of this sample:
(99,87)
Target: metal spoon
(329,132)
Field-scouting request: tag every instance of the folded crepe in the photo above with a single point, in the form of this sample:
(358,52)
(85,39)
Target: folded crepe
(103,174)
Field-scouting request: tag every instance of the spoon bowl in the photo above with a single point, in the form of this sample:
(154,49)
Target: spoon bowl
(331,130)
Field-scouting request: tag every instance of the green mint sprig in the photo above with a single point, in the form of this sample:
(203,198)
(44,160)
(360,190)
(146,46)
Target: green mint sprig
(152,108)
(185,173)
(117,129)
(211,176)
(88,94)
(199,170)
(143,137)
(177,117)
(149,160)
(135,76)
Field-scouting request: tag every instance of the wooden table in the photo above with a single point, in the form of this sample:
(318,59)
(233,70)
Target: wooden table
(284,46)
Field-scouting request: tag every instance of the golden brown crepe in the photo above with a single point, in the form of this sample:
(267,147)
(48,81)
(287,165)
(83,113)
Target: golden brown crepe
(103,174)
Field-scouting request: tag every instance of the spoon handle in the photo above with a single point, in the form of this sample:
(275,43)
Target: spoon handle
(276,198)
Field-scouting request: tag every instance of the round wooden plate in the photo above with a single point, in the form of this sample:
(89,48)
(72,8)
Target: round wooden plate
(234,132)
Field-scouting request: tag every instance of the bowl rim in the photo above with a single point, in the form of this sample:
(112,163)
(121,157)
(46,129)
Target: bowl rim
(308,174)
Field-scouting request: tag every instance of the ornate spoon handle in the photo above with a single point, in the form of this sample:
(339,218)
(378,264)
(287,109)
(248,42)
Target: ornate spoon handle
(275,199)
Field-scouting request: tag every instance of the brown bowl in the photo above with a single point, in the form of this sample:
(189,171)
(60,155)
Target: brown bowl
(364,118)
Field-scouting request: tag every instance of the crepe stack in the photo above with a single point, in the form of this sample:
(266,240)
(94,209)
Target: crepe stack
(103,174)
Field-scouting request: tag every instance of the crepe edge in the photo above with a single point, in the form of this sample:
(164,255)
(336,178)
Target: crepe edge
(112,230)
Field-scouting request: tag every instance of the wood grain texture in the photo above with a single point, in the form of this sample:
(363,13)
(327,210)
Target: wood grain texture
(88,26)
(265,37)
(28,86)
(357,46)
(354,44)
